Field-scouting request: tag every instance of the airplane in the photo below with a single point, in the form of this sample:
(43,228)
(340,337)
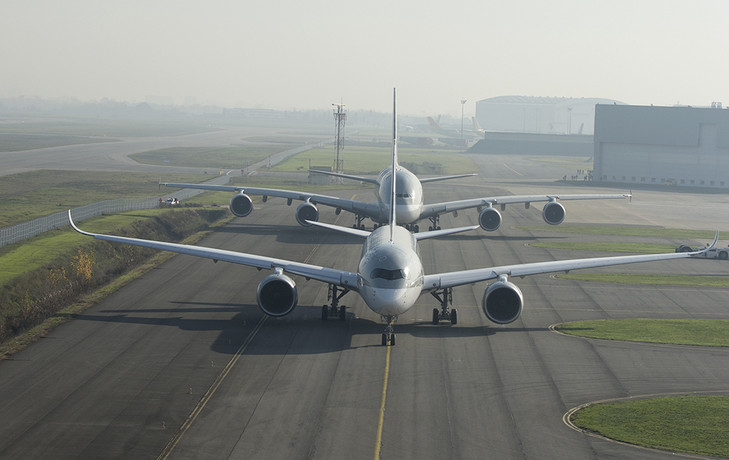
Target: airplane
(477,127)
(409,201)
(390,276)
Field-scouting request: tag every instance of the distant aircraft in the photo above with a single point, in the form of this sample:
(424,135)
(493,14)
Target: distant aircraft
(390,276)
(477,127)
(409,201)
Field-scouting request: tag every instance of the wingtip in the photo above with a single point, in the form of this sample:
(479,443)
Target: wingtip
(709,247)
(73,225)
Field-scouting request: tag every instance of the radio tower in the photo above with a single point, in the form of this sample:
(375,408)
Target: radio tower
(340,118)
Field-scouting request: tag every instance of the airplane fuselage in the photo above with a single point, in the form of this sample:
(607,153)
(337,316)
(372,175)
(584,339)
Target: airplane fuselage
(390,272)
(409,197)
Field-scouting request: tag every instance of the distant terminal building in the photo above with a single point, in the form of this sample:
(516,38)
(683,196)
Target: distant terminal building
(541,115)
(681,146)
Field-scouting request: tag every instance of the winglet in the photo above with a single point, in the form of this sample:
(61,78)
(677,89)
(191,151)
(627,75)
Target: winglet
(70,221)
(711,246)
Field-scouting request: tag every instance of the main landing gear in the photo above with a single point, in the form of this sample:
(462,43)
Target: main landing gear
(445,297)
(388,337)
(358,222)
(435,220)
(334,294)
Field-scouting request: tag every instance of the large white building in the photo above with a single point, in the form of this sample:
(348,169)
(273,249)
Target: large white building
(682,146)
(541,115)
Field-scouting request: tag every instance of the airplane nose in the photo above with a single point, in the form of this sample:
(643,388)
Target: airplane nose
(390,301)
(407,213)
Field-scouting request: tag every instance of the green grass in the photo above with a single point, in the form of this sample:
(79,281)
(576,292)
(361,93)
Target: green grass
(370,160)
(225,158)
(34,194)
(37,252)
(704,332)
(639,248)
(625,230)
(695,424)
(13,142)
(649,279)
(102,127)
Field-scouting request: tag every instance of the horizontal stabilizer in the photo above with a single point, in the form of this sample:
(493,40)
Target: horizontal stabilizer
(447,231)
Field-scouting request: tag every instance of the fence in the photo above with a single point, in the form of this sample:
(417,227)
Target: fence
(20,232)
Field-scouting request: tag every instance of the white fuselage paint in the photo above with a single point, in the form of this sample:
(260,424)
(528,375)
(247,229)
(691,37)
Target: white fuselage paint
(409,199)
(390,272)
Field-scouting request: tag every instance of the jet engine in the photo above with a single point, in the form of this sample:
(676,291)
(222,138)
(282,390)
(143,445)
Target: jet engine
(502,302)
(553,213)
(306,211)
(489,219)
(241,205)
(277,295)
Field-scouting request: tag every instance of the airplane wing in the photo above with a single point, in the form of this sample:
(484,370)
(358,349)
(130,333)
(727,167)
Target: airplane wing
(324,274)
(452,279)
(430,210)
(370,180)
(433,179)
(362,208)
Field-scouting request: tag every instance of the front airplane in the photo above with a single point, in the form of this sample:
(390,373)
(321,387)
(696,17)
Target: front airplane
(390,272)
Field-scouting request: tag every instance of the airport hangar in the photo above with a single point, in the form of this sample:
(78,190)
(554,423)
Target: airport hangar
(681,146)
(650,145)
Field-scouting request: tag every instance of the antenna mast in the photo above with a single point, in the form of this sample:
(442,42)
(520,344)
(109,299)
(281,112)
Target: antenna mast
(340,118)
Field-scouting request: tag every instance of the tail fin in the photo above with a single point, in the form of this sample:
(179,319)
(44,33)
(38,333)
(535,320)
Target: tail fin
(393,193)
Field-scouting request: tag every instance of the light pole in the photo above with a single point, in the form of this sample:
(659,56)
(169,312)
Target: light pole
(463,103)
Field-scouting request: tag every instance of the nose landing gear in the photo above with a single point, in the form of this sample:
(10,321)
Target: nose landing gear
(388,337)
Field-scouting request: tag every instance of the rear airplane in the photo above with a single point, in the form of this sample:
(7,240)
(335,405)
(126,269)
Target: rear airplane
(390,276)
(410,200)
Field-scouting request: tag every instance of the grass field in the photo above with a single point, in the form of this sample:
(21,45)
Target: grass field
(370,160)
(13,142)
(638,248)
(37,252)
(705,332)
(649,279)
(695,424)
(224,158)
(99,127)
(34,194)
(625,230)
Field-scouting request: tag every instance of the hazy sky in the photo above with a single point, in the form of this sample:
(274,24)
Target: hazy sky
(294,54)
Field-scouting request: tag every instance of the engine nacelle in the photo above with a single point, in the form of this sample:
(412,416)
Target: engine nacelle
(306,211)
(502,302)
(553,213)
(241,205)
(277,295)
(489,219)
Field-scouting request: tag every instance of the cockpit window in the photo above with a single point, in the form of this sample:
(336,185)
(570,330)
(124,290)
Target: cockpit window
(403,195)
(385,274)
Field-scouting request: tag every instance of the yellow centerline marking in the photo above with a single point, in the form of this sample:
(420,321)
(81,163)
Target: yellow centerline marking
(512,170)
(378,442)
(211,391)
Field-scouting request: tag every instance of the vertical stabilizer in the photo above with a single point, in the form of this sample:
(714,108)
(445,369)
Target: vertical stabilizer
(393,192)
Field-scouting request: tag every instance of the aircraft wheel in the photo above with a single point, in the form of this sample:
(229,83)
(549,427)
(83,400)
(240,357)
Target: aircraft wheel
(324,312)
(392,340)
(384,339)
(436,316)
(342,312)
(454,316)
